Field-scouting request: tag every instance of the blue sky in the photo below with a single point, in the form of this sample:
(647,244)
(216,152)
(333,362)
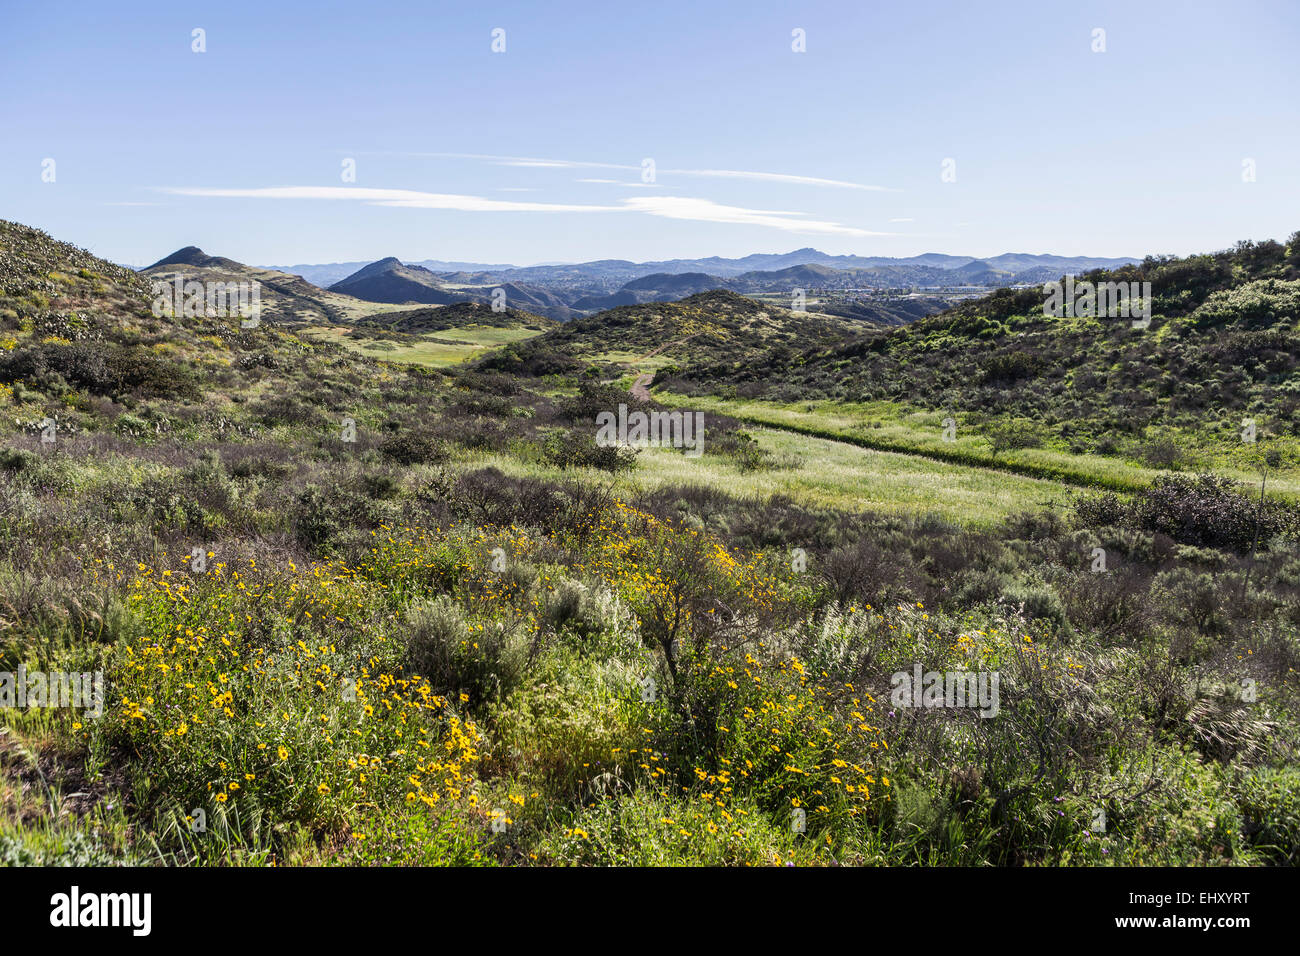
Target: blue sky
(757,148)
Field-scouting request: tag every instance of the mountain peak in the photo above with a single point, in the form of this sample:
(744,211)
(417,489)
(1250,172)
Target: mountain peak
(380,267)
(388,280)
(187,256)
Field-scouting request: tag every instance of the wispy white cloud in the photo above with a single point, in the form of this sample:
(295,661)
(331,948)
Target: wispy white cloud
(773,178)
(619,182)
(409,198)
(752,175)
(705,210)
(668,207)
(902,220)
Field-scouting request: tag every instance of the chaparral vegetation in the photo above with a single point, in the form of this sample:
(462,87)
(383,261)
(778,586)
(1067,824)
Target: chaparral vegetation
(361,598)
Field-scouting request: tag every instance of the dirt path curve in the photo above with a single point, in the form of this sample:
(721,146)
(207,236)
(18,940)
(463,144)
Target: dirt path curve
(640,389)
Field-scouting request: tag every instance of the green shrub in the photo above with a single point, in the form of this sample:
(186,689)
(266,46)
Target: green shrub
(578,450)
(482,660)
(99,369)
(1269,801)
(573,720)
(1040,604)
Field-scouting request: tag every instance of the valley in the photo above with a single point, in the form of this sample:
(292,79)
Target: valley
(365,587)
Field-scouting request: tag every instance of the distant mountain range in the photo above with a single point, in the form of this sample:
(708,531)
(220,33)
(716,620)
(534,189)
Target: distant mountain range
(564,292)
(609,275)
(882,290)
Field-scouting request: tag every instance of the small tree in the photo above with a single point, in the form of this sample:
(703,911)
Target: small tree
(1011,435)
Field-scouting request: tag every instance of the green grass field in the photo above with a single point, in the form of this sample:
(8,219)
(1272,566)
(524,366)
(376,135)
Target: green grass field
(894,426)
(436,349)
(832,474)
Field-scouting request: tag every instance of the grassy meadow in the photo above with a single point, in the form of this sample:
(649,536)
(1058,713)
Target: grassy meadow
(824,473)
(435,349)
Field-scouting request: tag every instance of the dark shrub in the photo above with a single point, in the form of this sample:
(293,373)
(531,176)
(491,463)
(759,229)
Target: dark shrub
(594,398)
(742,448)
(1208,510)
(536,361)
(1040,604)
(99,369)
(498,406)
(1192,598)
(1009,368)
(1162,453)
(1009,436)
(413,448)
(1111,604)
(135,370)
(863,573)
(480,434)
(289,410)
(322,517)
(575,449)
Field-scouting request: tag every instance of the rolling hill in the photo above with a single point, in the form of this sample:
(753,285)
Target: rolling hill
(391,282)
(285,299)
(456,315)
(1223,345)
(699,328)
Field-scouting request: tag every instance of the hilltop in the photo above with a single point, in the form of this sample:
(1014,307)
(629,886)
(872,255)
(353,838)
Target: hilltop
(285,299)
(194,256)
(456,315)
(698,329)
(389,281)
(325,275)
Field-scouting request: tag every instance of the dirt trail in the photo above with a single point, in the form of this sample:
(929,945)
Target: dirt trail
(653,352)
(641,387)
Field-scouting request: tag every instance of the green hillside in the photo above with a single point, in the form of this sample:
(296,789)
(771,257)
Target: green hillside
(456,315)
(286,300)
(1221,347)
(708,326)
